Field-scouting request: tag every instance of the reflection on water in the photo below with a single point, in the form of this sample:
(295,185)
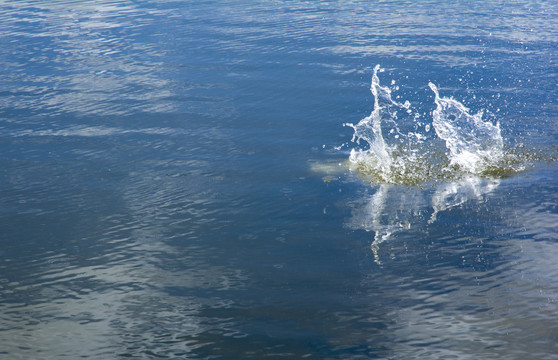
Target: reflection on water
(156,199)
(489,292)
(458,192)
(101,279)
(81,57)
(392,209)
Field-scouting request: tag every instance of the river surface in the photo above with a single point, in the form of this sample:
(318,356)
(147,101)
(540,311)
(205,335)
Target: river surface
(216,180)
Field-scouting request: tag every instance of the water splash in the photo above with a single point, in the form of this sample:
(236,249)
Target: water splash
(474,145)
(462,160)
(395,155)
(401,149)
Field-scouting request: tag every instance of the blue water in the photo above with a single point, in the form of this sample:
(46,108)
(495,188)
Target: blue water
(174,182)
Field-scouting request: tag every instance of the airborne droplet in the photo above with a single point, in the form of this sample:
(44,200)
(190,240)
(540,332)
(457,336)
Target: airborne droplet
(397,155)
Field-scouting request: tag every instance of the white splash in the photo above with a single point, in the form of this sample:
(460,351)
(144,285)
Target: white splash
(458,162)
(474,144)
(412,156)
(393,155)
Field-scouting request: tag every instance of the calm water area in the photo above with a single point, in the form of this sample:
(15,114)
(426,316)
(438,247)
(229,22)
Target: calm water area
(175,181)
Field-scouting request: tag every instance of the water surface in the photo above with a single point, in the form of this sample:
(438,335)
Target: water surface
(176,183)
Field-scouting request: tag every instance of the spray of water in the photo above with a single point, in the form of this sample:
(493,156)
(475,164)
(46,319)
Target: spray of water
(474,145)
(400,149)
(463,160)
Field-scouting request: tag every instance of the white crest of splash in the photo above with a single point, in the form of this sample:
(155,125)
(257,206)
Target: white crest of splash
(394,157)
(369,129)
(473,144)
(398,157)
(392,152)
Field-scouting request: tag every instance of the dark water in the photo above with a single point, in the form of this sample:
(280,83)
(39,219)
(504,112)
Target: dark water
(170,187)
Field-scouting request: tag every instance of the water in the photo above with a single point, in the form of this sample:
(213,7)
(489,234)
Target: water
(177,180)
(474,147)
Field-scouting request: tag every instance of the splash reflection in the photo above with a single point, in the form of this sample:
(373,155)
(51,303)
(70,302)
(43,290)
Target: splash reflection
(393,209)
(489,292)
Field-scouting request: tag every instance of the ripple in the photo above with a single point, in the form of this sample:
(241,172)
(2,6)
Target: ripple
(85,54)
